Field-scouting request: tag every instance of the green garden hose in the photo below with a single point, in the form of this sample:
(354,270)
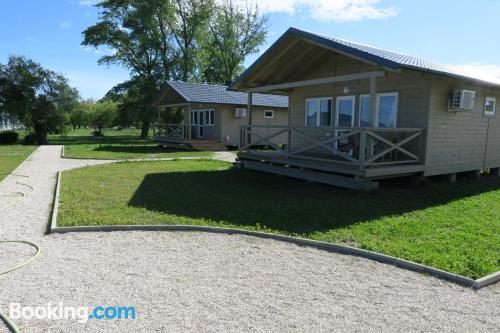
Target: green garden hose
(10,325)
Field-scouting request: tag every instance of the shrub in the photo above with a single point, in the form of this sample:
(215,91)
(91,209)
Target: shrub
(29,139)
(8,137)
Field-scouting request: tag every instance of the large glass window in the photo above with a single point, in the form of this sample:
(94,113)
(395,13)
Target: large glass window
(325,115)
(387,110)
(345,111)
(318,111)
(364,111)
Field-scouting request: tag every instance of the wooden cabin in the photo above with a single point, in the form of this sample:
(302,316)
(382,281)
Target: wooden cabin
(358,114)
(208,117)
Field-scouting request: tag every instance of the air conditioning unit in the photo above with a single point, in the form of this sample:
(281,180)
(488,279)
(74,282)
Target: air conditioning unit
(240,112)
(462,100)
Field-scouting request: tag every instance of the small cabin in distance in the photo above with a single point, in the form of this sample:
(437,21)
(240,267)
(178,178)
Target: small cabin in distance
(208,117)
(359,114)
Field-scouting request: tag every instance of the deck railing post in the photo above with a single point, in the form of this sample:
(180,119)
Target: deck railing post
(249,116)
(362,148)
(190,123)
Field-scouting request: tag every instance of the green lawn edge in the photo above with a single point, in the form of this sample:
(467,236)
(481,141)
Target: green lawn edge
(11,156)
(453,227)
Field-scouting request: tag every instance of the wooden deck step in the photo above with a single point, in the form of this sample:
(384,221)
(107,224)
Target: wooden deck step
(207,145)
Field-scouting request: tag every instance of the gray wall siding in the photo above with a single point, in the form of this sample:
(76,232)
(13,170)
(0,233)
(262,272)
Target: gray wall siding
(456,141)
(412,87)
(493,149)
(230,130)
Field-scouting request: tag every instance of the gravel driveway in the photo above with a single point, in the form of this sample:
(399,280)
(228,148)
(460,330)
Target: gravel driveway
(183,281)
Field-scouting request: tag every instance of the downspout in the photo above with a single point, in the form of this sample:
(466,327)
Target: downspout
(486,143)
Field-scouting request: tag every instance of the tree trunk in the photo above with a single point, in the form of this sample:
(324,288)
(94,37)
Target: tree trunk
(145,129)
(41,133)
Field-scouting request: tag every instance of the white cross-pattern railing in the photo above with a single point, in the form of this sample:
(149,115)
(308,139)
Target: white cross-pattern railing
(172,131)
(360,146)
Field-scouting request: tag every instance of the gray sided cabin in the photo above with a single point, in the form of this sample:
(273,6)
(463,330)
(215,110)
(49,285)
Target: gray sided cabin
(209,116)
(359,114)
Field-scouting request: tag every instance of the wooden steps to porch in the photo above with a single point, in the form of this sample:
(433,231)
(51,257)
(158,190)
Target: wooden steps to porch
(207,145)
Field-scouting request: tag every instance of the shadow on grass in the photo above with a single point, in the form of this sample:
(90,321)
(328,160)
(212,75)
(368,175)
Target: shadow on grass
(248,198)
(85,140)
(135,149)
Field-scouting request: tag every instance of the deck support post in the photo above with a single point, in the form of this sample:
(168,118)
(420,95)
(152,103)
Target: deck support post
(373,112)
(190,121)
(249,115)
(289,142)
(451,178)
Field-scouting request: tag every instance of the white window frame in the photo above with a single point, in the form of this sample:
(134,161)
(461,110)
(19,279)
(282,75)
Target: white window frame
(337,113)
(318,114)
(490,99)
(377,110)
(269,117)
(208,120)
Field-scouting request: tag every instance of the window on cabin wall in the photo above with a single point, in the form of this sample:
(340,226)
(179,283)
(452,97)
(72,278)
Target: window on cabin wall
(387,110)
(318,111)
(268,114)
(364,111)
(490,106)
(345,111)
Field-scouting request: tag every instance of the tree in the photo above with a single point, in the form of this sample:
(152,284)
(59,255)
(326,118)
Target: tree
(80,115)
(187,24)
(102,115)
(37,97)
(234,33)
(129,29)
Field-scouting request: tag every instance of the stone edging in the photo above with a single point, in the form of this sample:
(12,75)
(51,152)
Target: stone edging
(152,159)
(329,247)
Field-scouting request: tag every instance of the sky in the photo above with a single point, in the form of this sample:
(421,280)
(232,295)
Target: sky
(460,33)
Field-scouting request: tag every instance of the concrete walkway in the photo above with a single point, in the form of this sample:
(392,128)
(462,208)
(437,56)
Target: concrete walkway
(209,282)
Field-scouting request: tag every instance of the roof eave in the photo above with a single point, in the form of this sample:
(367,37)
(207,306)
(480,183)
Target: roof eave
(387,64)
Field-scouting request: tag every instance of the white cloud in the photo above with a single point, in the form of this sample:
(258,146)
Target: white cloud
(485,72)
(64,25)
(31,39)
(87,2)
(330,10)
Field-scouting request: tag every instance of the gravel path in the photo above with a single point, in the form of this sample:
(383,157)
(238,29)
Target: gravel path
(214,283)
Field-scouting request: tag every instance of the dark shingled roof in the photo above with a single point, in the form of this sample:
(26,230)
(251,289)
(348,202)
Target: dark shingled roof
(389,59)
(213,94)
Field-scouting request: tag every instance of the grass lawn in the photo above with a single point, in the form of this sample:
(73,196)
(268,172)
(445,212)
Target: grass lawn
(454,227)
(124,144)
(11,156)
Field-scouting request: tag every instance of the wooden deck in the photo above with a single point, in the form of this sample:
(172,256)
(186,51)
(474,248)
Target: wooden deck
(315,163)
(348,157)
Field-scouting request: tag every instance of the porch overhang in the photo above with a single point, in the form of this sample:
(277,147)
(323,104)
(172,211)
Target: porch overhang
(325,80)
